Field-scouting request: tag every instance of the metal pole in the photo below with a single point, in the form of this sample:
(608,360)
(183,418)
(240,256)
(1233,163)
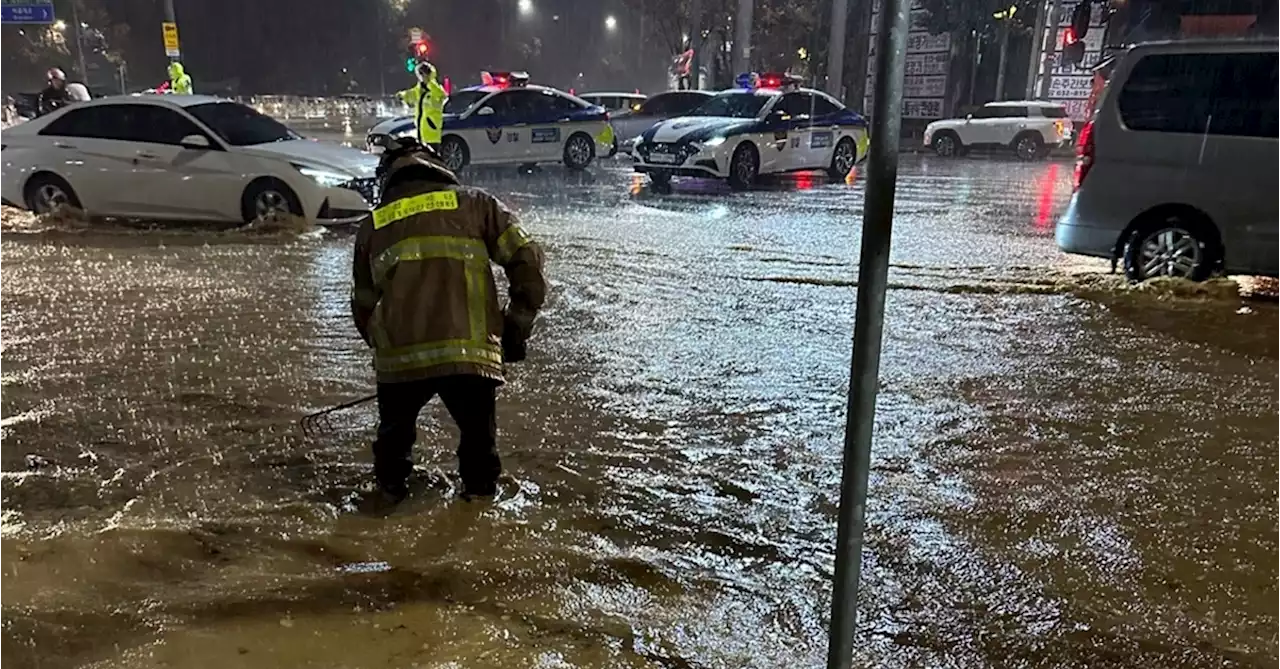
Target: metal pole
(75,19)
(1050,49)
(868,327)
(742,37)
(379,46)
(170,17)
(1037,50)
(1004,57)
(835,48)
(695,43)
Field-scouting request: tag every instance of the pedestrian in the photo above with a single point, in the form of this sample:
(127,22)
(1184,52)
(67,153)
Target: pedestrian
(424,299)
(55,92)
(427,98)
(179,80)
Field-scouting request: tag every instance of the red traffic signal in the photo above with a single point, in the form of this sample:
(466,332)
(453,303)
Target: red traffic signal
(421,49)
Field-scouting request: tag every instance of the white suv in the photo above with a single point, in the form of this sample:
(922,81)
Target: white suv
(1030,128)
(1177,171)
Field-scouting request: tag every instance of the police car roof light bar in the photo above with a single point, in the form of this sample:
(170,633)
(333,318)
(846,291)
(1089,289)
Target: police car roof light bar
(747,80)
(782,80)
(504,79)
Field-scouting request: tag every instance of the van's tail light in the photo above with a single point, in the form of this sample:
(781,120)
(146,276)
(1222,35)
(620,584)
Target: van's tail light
(1084,153)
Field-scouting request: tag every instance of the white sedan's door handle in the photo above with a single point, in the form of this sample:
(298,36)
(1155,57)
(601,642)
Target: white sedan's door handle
(63,145)
(147,154)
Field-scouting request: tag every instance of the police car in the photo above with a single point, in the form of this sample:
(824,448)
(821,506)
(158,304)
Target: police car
(768,125)
(507,121)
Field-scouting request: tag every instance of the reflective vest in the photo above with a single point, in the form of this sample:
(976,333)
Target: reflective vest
(427,100)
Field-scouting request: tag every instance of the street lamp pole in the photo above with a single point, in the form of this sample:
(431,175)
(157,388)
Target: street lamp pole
(169,16)
(835,49)
(742,37)
(695,43)
(75,33)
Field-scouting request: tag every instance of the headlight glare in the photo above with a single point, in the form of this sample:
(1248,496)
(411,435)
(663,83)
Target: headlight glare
(322,176)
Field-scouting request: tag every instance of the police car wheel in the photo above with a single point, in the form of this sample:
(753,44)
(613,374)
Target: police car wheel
(579,151)
(454,153)
(842,160)
(744,167)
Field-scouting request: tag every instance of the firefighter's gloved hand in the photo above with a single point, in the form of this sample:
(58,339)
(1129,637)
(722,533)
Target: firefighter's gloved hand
(514,340)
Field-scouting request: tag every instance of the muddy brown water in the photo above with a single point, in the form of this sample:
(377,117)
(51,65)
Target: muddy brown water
(1068,472)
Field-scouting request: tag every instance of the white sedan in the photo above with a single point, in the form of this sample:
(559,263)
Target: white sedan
(188,157)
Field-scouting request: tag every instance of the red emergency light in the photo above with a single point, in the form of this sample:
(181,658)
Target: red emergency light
(504,79)
(1069,36)
(775,80)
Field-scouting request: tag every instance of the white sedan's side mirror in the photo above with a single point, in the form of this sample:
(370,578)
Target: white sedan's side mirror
(195,141)
(484,111)
(968,117)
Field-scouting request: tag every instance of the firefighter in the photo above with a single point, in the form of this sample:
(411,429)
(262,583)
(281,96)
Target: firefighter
(425,300)
(427,98)
(179,80)
(55,93)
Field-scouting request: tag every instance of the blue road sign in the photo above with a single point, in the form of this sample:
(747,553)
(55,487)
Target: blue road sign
(27,11)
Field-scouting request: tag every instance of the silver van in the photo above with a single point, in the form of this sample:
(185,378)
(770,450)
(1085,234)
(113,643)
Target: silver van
(1176,174)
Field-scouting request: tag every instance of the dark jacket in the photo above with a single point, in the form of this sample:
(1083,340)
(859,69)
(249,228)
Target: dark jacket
(424,296)
(52,98)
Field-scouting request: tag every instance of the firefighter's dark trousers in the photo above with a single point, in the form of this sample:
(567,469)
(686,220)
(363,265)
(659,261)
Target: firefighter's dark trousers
(471,401)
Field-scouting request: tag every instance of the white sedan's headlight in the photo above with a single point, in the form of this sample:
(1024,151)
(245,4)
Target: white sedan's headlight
(712,143)
(322,176)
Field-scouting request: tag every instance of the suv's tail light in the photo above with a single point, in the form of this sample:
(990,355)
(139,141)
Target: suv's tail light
(1084,153)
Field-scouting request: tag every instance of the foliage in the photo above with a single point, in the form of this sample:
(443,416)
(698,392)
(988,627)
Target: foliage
(965,16)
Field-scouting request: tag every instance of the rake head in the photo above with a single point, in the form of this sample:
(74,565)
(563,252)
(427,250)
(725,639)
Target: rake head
(321,422)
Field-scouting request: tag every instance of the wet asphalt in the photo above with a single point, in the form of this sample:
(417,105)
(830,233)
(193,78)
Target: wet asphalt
(1068,471)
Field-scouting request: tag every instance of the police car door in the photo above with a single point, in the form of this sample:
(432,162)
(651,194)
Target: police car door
(826,130)
(798,110)
(550,125)
(507,135)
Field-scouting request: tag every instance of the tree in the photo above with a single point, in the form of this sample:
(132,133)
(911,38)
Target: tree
(973,23)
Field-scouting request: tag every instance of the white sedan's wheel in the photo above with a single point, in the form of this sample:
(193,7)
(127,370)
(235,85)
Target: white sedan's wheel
(47,194)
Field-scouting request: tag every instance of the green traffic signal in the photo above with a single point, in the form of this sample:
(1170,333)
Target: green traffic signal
(410,64)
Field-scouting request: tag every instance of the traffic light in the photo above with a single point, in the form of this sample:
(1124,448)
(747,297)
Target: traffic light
(1073,37)
(418,52)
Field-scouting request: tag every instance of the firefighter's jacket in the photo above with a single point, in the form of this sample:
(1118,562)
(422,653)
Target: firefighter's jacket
(424,295)
(427,100)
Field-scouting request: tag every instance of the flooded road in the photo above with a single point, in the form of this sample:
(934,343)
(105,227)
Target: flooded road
(1068,472)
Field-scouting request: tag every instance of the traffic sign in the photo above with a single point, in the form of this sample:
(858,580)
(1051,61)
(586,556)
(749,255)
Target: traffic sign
(27,11)
(171,39)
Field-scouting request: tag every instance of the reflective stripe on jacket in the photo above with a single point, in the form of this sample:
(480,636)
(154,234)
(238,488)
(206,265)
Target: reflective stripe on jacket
(427,100)
(424,294)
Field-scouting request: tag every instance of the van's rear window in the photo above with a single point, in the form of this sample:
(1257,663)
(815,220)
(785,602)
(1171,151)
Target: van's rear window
(1210,93)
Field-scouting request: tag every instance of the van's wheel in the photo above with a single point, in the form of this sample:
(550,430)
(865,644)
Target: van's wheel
(454,153)
(947,144)
(268,198)
(48,193)
(744,166)
(1028,146)
(842,159)
(579,151)
(1176,245)
(660,182)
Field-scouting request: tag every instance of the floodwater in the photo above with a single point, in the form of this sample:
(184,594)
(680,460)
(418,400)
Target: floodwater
(1068,472)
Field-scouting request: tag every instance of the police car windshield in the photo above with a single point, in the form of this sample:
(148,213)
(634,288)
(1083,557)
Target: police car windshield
(736,104)
(239,125)
(462,101)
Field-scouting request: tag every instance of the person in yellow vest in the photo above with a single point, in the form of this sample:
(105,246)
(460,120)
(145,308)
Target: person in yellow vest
(427,100)
(179,80)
